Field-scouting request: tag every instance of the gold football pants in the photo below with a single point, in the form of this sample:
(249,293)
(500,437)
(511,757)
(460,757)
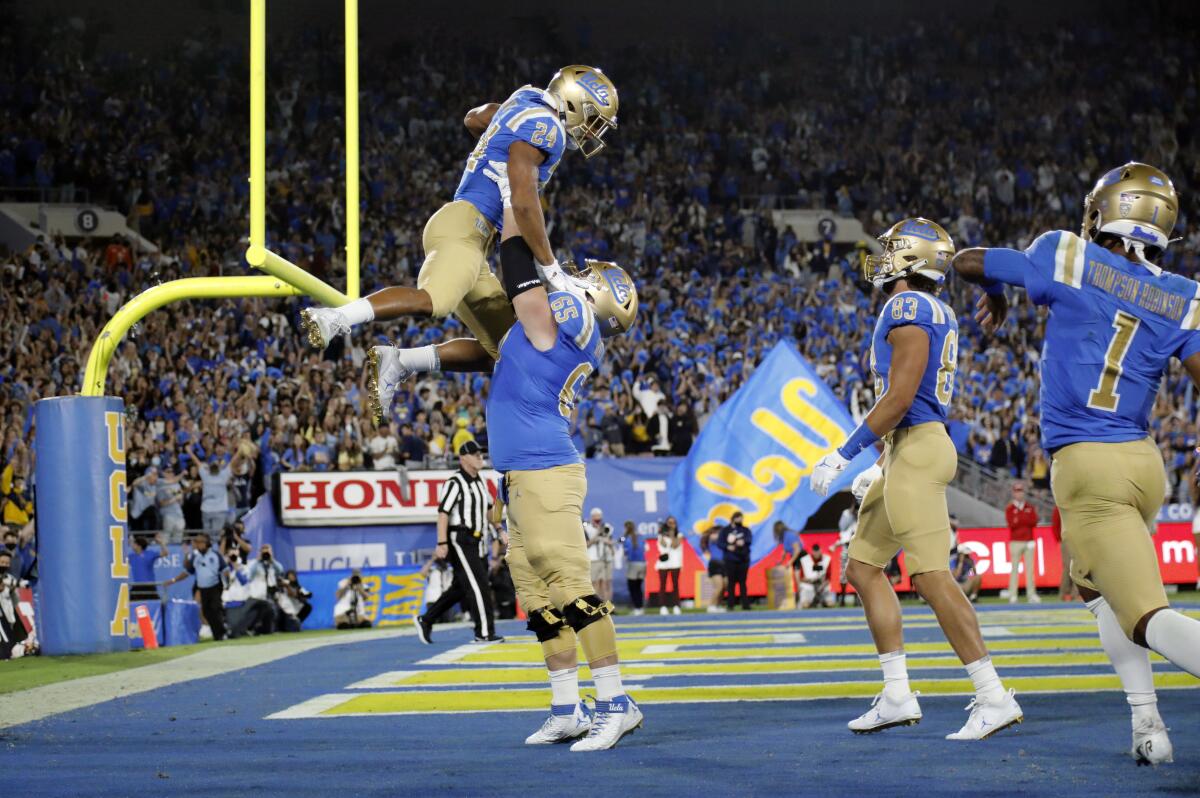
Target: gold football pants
(456,276)
(906,507)
(1109,495)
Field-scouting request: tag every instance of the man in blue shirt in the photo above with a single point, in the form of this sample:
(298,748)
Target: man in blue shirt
(635,565)
(208,566)
(1115,321)
(143,586)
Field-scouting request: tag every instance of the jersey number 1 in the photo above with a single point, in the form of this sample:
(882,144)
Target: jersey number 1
(1104,396)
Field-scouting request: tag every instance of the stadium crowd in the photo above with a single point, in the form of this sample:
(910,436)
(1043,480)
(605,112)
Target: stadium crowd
(711,141)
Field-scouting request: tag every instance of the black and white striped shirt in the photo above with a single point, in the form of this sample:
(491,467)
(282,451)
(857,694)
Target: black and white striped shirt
(465,500)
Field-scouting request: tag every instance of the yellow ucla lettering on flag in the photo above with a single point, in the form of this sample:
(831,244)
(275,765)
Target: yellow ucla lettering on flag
(757,450)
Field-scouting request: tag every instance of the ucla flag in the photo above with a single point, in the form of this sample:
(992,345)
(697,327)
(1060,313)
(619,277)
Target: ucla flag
(756,452)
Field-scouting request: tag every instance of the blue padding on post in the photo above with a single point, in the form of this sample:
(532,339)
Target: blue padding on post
(80,481)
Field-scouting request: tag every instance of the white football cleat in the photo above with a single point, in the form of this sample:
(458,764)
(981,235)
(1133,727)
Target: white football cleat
(567,722)
(614,719)
(988,717)
(320,325)
(1151,745)
(385,372)
(886,713)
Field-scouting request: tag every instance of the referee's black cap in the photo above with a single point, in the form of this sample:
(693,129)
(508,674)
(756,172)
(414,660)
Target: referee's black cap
(468,447)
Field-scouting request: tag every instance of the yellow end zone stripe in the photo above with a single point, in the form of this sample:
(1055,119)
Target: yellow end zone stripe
(534,674)
(633,652)
(509,700)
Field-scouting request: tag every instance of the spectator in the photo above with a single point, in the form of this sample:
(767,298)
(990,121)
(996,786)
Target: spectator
(350,611)
(143,496)
(143,584)
(710,549)
(735,544)
(669,565)
(412,448)
(683,429)
(962,568)
(16,501)
(214,496)
(169,497)
(635,565)
(1021,519)
(600,548)
(660,430)
(814,578)
(16,564)
(209,567)
(383,449)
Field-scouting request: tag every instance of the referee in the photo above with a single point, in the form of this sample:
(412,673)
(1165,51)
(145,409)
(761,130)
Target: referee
(462,521)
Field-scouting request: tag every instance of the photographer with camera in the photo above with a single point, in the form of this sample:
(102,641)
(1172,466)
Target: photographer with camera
(600,549)
(462,519)
(293,603)
(12,630)
(351,603)
(264,579)
(245,613)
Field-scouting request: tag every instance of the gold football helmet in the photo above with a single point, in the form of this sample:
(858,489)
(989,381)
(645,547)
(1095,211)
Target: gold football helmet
(613,294)
(1136,202)
(910,246)
(587,104)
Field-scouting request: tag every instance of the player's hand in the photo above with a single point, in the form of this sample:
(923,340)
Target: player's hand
(862,483)
(826,471)
(497,171)
(441,552)
(991,311)
(557,280)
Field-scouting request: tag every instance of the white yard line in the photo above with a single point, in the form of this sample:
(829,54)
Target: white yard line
(36,703)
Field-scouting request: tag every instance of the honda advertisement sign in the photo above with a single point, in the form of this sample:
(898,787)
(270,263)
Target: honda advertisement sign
(363,498)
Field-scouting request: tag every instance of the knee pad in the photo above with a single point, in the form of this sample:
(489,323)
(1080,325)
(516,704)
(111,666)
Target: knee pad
(585,611)
(546,623)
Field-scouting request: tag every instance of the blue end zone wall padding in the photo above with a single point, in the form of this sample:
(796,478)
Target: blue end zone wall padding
(82,593)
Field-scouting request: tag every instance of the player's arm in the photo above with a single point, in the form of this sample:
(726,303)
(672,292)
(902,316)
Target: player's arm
(478,118)
(518,252)
(910,355)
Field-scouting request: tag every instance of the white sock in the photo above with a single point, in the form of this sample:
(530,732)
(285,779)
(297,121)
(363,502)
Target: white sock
(986,680)
(1129,660)
(1176,637)
(608,682)
(564,687)
(895,673)
(358,311)
(421,359)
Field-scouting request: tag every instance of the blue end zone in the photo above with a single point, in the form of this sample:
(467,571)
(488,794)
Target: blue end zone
(210,737)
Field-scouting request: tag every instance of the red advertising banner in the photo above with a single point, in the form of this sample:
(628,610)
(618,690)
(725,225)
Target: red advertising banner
(1177,559)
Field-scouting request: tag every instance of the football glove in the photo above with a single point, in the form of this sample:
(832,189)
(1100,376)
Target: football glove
(826,471)
(862,483)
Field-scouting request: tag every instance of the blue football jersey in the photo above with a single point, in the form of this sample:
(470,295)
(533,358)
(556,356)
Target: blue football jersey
(524,116)
(533,392)
(938,321)
(1113,325)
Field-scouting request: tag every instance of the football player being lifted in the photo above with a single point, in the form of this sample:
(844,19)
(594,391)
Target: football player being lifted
(556,343)
(914,351)
(1115,321)
(527,133)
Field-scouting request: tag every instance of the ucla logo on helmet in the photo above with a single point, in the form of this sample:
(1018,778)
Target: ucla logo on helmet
(619,285)
(594,86)
(920,230)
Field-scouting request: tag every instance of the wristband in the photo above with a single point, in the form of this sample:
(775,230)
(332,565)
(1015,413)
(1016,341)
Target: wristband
(861,438)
